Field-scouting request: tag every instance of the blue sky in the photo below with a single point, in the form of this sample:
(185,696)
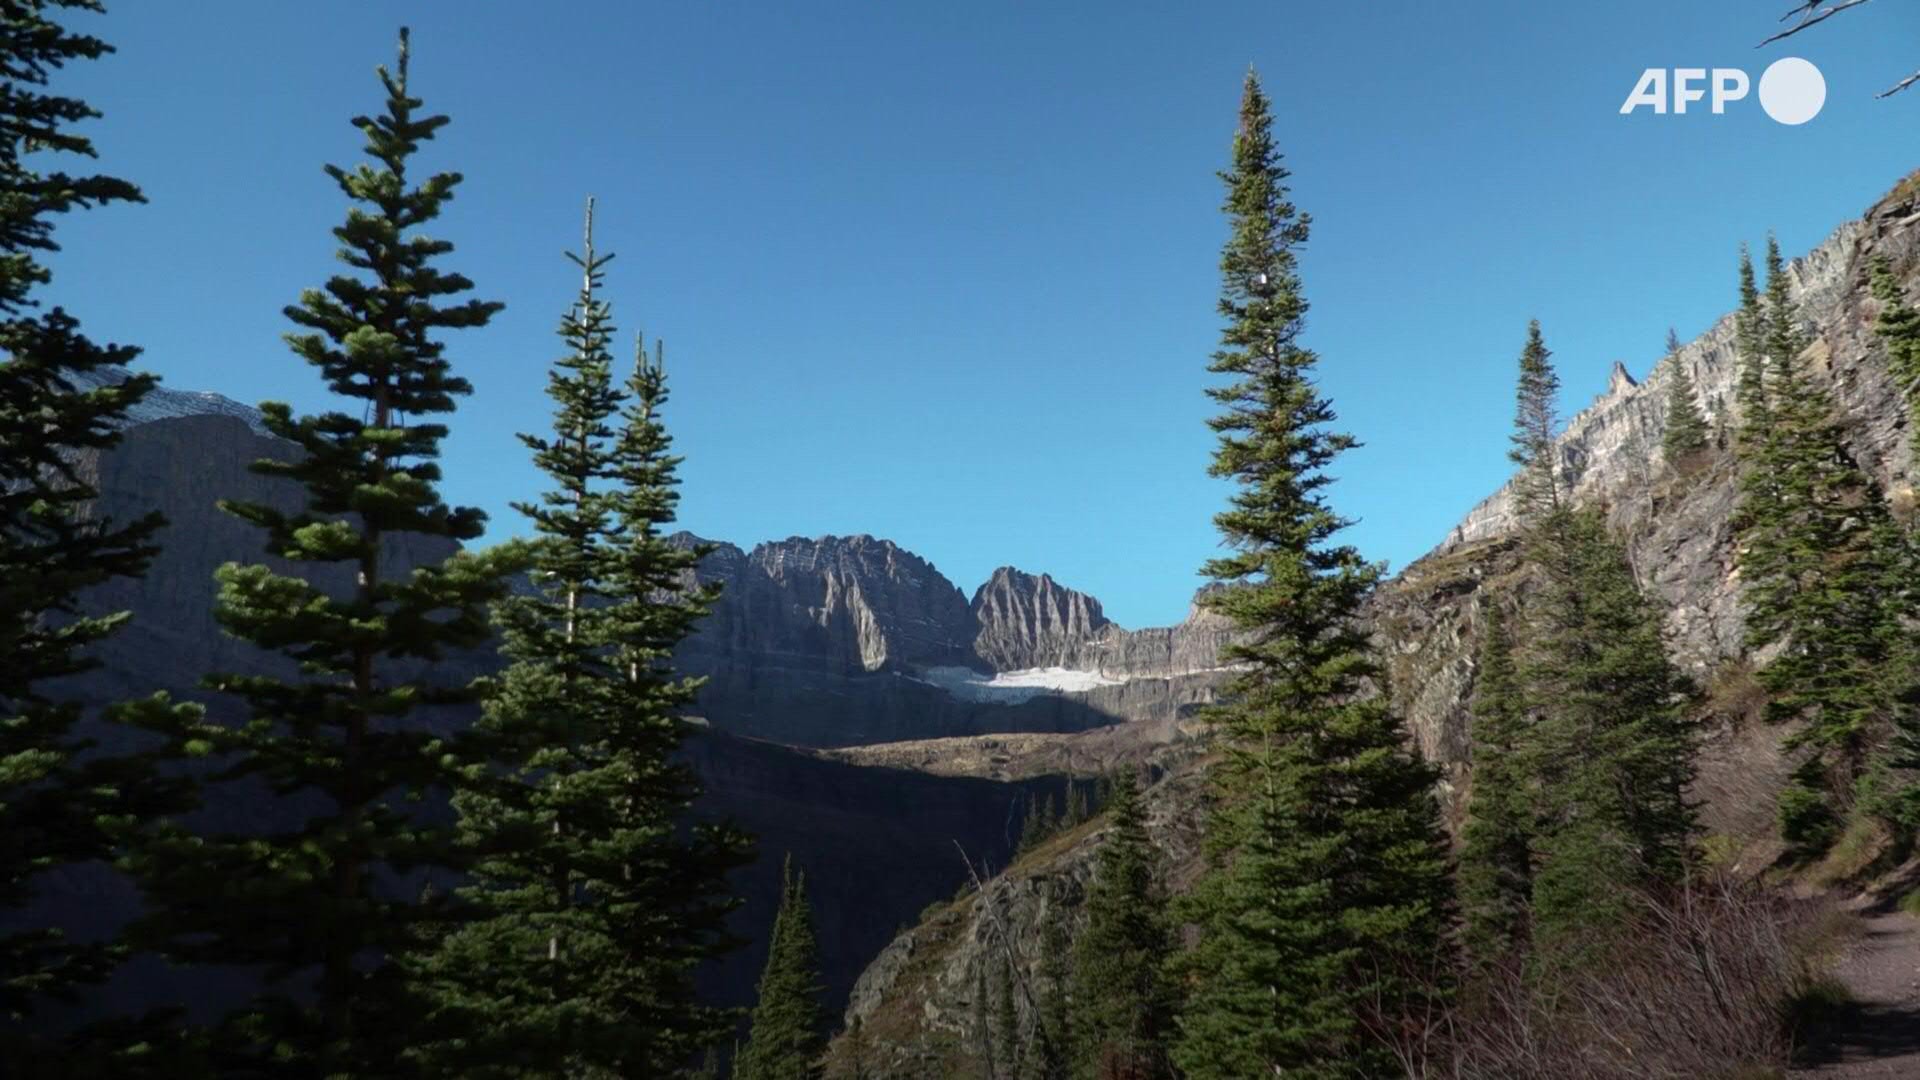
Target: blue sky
(946,273)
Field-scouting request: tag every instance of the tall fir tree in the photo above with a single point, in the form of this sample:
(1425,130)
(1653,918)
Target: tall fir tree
(1898,326)
(1536,486)
(1687,431)
(1051,1059)
(785,1040)
(1328,882)
(1818,558)
(1610,746)
(346,736)
(589,909)
(1496,843)
(1750,353)
(1006,1023)
(1123,1004)
(61,396)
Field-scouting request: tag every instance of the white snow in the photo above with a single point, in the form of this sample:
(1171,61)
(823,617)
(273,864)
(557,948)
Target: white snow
(1013,687)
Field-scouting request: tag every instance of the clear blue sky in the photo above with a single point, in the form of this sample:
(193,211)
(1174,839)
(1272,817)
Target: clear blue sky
(945,273)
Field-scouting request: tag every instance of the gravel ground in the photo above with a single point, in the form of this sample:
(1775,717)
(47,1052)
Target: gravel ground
(1878,1035)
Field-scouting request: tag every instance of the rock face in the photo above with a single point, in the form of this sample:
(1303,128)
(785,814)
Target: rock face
(866,601)
(916,999)
(850,641)
(1032,622)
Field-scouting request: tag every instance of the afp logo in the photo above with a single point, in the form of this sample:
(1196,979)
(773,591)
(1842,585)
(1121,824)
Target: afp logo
(1792,90)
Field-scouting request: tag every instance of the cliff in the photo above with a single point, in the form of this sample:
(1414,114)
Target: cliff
(915,1000)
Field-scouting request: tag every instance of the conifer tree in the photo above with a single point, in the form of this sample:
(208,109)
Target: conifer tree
(1818,559)
(346,733)
(61,395)
(1031,826)
(1328,881)
(1124,1005)
(785,1041)
(1611,746)
(1686,428)
(1750,353)
(1496,871)
(1006,1023)
(1050,1061)
(1898,325)
(1536,487)
(589,911)
(1076,803)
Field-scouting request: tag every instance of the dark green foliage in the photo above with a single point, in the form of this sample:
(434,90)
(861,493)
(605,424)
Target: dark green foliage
(1328,883)
(589,908)
(1496,872)
(786,1040)
(60,397)
(1898,325)
(1006,1023)
(1122,1003)
(1750,352)
(1536,487)
(1056,1030)
(1819,558)
(1686,428)
(1610,746)
(1032,827)
(306,902)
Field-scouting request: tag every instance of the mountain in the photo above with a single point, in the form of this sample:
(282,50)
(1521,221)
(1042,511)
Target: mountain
(854,641)
(914,1001)
(833,641)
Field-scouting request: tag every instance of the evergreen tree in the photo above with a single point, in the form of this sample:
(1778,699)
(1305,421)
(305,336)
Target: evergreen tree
(1076,803)
(1750,352)
(1328,882)
(1496,871)
(1818,558)
(1898,325)
(784,1041)
(1006,1023)
(1055,1024)
(1124,1006)
(1611,747)
(61,395)
(589,911)
(346,734)
(1536,487)
(1031,826)
(1686,429)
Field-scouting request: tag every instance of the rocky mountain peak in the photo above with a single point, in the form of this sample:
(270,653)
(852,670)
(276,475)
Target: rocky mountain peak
(1030,622)
(1618,381)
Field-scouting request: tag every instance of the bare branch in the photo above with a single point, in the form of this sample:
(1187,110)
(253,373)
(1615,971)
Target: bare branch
(1899,86)
(1811,14)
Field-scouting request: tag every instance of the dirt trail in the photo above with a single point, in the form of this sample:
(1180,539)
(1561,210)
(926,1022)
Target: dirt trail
(1878,1035)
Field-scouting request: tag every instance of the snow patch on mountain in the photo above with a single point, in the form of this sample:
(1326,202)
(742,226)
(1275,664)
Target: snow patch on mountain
(1014,687)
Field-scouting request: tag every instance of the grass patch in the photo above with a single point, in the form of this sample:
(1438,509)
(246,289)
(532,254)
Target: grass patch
(1861,845)
(1910,903)
(1734,692)
(1718,851)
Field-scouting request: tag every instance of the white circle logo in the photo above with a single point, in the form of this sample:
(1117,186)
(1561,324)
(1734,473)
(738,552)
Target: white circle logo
(1792,90)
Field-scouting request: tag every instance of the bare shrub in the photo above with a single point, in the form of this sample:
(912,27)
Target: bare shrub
(1703,983)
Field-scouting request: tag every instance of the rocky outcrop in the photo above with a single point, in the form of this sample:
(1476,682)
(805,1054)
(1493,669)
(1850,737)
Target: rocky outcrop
(916,999)
(1025,621)
(917,1002)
